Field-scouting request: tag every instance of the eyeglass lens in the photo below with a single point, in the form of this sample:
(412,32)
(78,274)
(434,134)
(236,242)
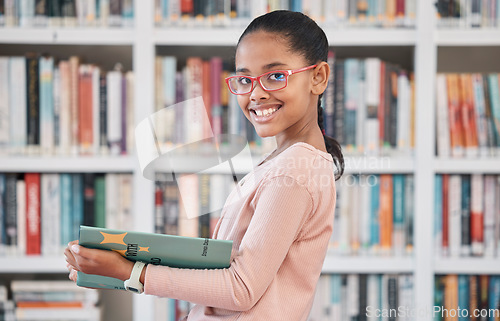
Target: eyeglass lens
(270,81)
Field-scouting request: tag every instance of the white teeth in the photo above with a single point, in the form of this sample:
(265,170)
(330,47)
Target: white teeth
(265,112)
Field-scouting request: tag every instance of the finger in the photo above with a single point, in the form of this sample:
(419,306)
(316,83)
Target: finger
(73,275)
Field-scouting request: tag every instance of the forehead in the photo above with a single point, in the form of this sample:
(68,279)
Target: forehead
(261,48)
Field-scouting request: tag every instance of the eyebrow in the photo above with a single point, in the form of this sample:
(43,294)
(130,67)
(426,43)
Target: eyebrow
(266,67)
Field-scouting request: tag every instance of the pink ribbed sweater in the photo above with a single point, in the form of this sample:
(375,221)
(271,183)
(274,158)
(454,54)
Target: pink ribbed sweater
(280,219)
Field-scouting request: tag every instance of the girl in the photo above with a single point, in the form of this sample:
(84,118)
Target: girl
(280,224)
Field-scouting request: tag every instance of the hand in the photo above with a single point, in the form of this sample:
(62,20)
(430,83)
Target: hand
(99,262)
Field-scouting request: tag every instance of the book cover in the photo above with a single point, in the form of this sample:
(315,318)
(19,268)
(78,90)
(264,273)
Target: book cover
(158,249)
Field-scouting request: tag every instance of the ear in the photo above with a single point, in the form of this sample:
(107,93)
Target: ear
(320,78)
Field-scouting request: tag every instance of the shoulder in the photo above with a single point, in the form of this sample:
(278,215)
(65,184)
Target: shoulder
(305,165)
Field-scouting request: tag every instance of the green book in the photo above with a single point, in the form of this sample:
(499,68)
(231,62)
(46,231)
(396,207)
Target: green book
(159,249)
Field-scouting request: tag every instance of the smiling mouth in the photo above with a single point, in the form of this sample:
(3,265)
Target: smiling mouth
(265,112)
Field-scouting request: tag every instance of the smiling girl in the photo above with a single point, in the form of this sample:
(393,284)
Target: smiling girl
(281,223)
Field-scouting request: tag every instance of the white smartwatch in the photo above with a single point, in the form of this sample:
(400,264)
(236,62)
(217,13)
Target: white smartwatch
(133,284)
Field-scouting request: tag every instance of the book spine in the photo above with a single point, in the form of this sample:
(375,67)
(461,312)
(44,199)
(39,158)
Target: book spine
(47,121)
(409,213)
(3,231)
(372,103)
(218,86)
(33,228)
(495,106)
(56,97)
(467,112)
(113,117)
(50,214)
(438,214)
(89,196)
(123,112)
(386,212)
(339,102)
(445,244)
(329,107)
(65,111)
(74,63)
(96,72)
(100,201)
(489,216)
(21,218)
(77,205)
(351,92)
(33,99)
(480,114)
(455,222)
(465,248)
(12,235)
(85,110)
(398,233)
(455,119)
(4,104)
(477,215)
(103,112)
(204,198)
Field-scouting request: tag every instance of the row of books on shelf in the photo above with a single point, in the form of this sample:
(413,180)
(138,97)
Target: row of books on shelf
(64,107)
(466,297)
(41,213)
(374,215)
(339,297)
(66,13)
(468,13)
(468,115)
(369,108)
(48,300)
(338,13)
(467,215)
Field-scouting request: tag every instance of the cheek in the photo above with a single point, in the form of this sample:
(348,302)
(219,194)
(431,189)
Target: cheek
(243,101)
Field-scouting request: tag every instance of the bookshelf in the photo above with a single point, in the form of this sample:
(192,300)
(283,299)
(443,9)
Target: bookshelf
(425,50)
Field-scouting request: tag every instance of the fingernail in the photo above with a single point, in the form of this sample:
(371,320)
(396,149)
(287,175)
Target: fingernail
(75,248)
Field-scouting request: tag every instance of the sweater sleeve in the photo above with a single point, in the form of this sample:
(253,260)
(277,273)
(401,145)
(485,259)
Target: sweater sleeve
(281,206)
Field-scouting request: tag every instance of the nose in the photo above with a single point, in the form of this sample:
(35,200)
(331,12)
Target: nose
(258,93)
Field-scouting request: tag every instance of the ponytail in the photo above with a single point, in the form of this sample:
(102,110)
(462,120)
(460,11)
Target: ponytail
(332,146)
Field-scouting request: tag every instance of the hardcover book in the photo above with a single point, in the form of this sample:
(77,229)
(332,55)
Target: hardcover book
(159,249)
